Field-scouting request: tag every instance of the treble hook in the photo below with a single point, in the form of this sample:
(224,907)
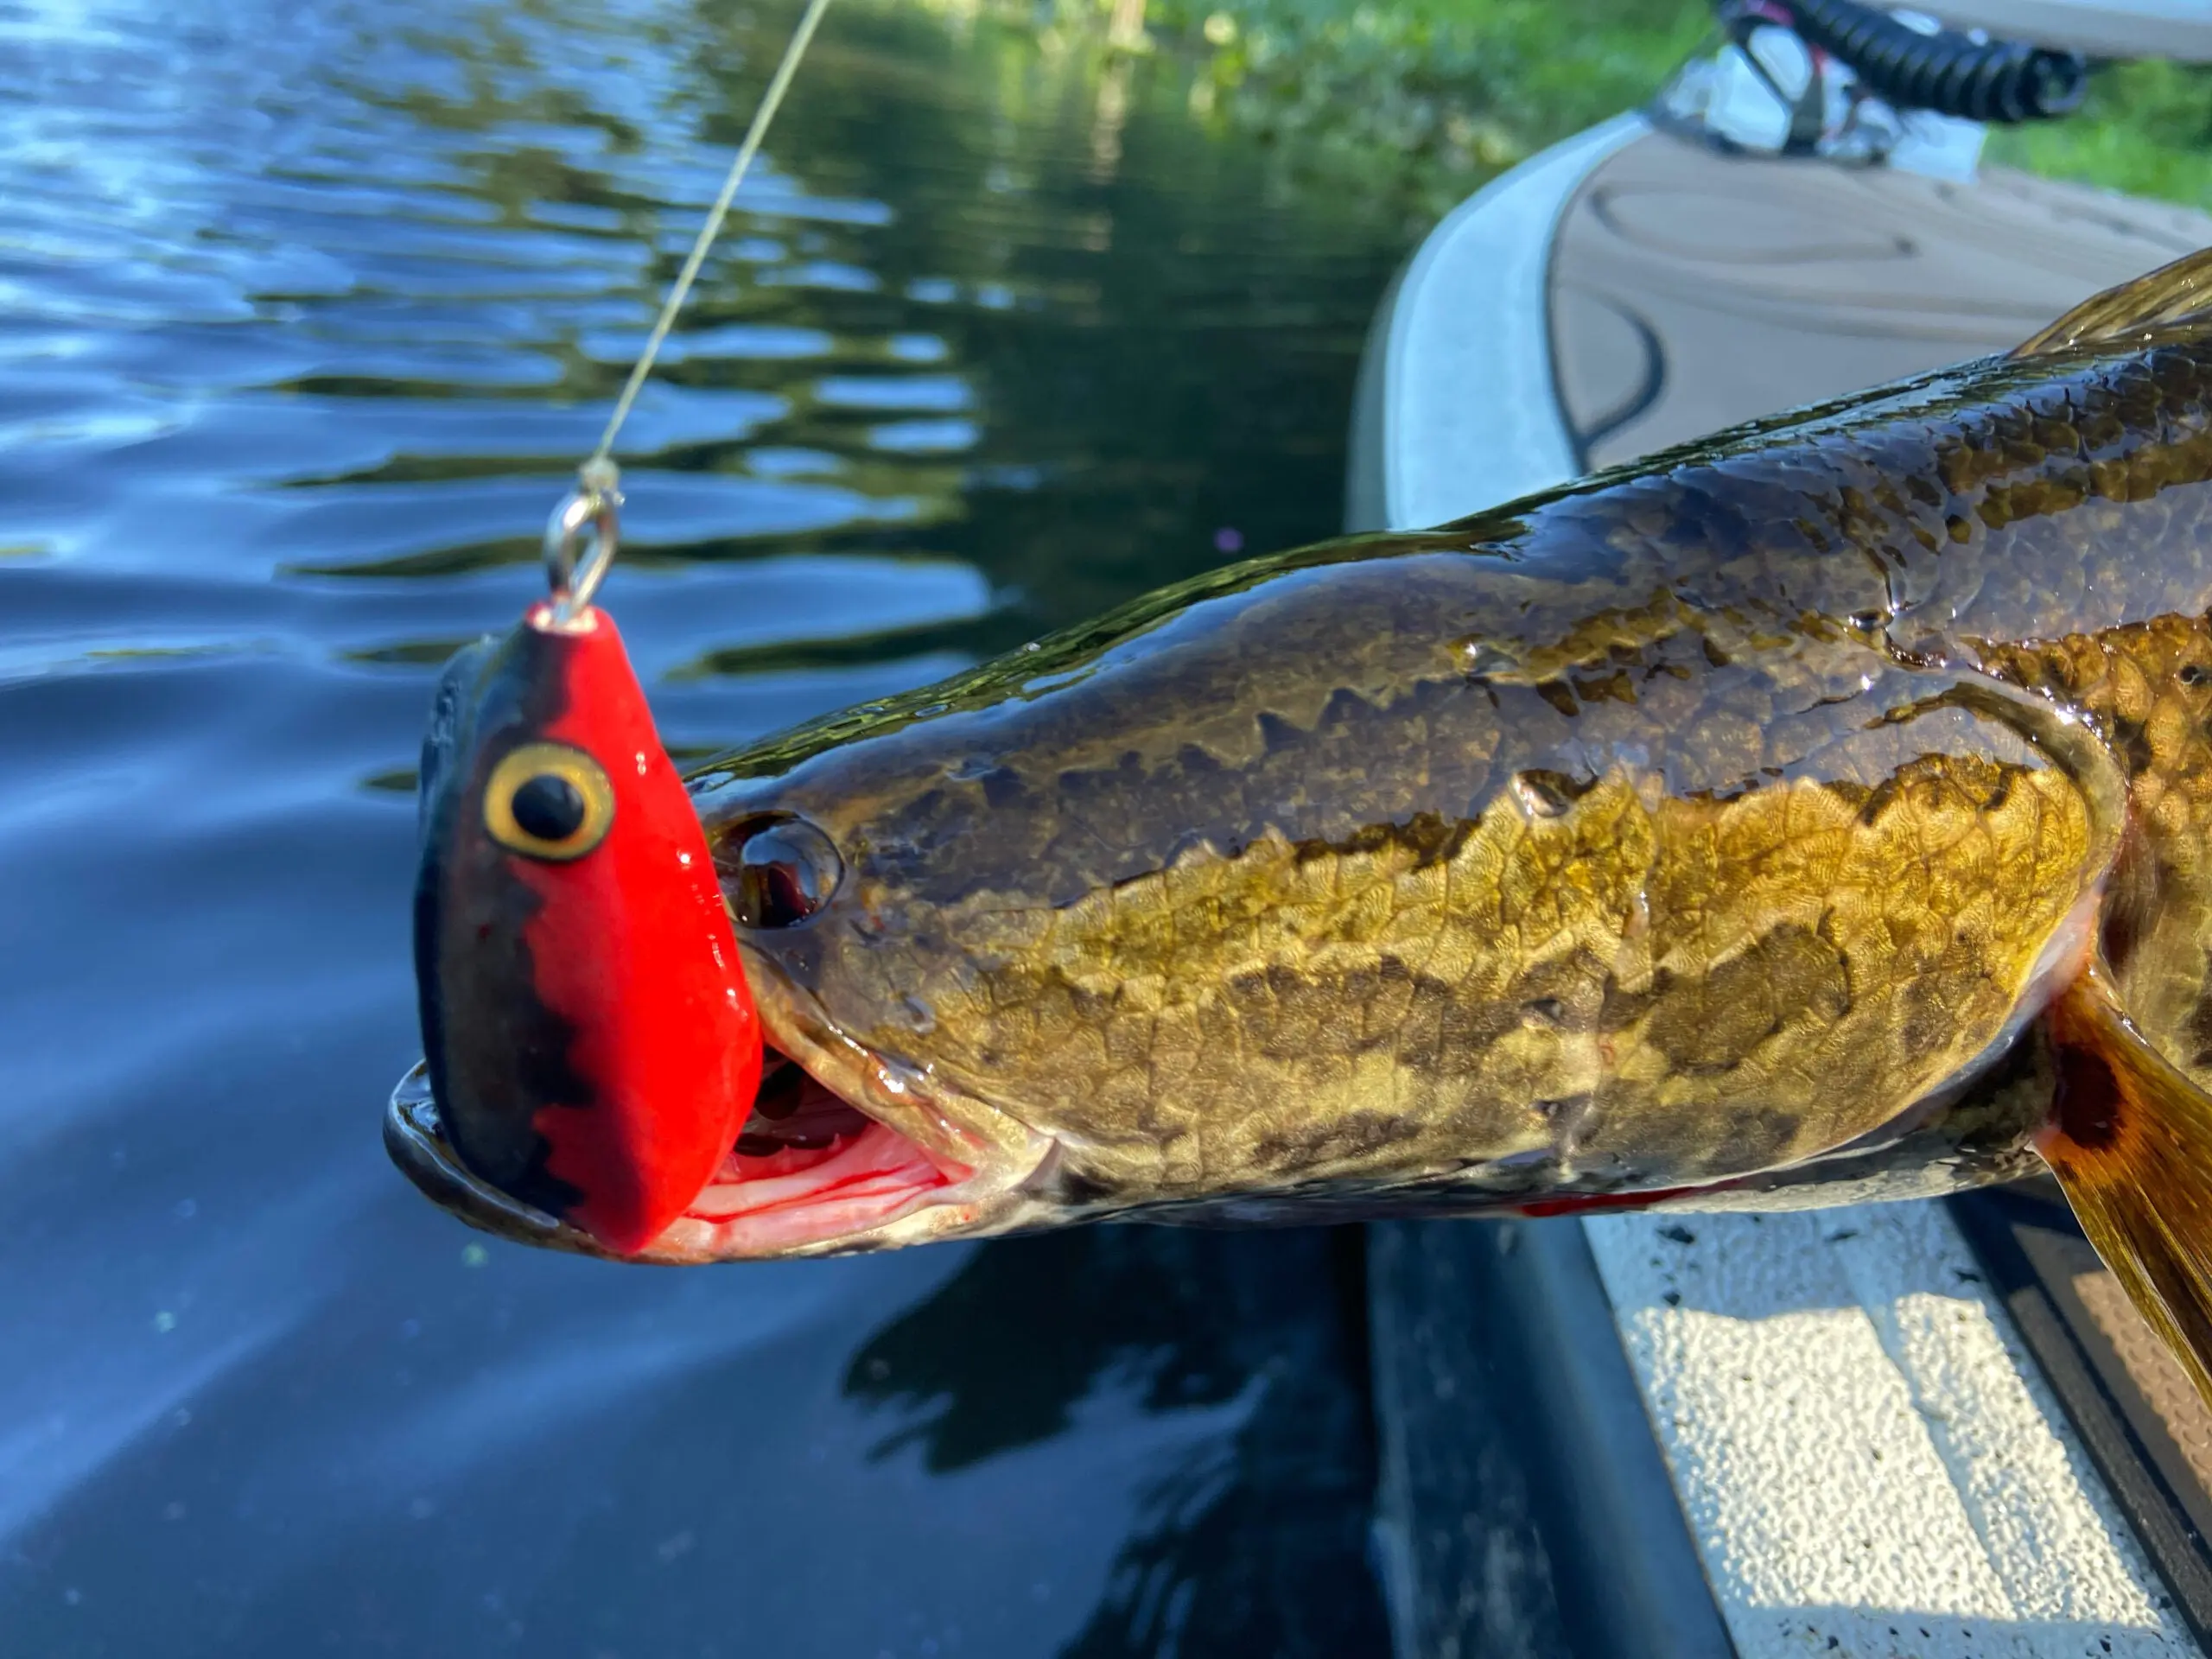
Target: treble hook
(581,539)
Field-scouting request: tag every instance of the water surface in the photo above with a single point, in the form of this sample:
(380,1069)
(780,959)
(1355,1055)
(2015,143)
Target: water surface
(305,312)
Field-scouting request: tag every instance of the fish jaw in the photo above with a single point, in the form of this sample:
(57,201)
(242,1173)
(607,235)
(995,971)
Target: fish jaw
(929,1164)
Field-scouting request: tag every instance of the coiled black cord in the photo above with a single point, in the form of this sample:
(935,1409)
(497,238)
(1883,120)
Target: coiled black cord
(2001,80)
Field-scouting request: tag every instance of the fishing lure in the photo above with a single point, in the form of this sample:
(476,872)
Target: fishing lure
(586,1024)
(588,1037)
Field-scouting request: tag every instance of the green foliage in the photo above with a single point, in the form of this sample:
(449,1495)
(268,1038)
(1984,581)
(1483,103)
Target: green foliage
(2147,128)
(1452,91)
(1427,98)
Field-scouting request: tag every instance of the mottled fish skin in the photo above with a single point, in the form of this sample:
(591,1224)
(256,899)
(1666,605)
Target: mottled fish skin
(1724,819)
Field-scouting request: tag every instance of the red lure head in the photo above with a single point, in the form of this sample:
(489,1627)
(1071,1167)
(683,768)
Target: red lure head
(590,1040)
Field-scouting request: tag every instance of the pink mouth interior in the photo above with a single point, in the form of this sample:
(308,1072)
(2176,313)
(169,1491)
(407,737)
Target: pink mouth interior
(808,1168)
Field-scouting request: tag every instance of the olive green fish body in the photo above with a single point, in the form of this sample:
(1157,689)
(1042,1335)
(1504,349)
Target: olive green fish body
(1820,811)
(1692,823)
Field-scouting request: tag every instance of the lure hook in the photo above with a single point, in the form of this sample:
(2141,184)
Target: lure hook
(581,539)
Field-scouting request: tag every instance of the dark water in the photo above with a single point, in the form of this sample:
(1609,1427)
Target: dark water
(304,313)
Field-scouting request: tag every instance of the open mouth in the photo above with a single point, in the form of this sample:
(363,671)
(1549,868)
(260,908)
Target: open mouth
(809,1174)
(808,1168)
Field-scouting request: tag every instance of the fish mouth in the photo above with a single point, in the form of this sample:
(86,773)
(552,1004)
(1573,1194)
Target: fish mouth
(844,1151)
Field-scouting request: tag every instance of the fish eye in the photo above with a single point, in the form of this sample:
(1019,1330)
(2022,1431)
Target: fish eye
(548,801)
(786,871)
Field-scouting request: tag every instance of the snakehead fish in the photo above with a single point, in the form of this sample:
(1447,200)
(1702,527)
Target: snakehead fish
(1817,813)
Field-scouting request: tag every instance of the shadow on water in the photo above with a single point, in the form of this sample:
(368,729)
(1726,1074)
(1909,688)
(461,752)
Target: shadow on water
(1249,1544)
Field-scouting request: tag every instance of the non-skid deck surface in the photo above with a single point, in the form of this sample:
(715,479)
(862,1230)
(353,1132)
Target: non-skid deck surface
(1871,1463)
(1689,291)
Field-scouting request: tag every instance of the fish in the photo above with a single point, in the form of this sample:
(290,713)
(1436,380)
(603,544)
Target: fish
(586,1024)
(1818,812)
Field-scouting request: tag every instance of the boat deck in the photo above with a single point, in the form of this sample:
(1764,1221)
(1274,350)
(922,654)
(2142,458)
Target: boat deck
(1690,290)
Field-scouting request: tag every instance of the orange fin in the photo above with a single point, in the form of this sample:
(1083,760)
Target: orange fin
(2180,292)
(2130,1143)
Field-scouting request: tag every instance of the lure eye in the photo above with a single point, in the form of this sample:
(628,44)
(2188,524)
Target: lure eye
(547,801)
(786,871)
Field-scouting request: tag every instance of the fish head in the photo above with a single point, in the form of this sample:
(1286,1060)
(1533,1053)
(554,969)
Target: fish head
(590,1045)
(877,927)
(889,872)
(967,914)
(952,907)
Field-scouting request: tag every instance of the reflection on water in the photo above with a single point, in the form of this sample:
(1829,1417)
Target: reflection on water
(1252,1542)
(305,315)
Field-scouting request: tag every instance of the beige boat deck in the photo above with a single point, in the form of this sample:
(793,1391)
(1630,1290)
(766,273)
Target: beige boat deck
(1691,290)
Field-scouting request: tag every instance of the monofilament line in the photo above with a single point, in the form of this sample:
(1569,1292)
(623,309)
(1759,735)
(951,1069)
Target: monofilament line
(595,468)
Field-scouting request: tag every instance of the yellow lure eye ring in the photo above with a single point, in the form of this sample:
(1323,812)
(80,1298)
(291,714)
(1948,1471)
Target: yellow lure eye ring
(569,794)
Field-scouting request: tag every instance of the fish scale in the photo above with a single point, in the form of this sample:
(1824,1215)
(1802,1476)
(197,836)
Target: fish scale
(1781,767)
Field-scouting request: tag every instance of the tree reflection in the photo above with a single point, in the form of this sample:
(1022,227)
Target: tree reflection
(1161,346)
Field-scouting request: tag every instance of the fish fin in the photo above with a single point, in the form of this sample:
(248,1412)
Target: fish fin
(2129,1140)
(2180,292)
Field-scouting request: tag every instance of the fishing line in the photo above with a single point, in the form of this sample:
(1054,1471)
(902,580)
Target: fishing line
(589,512)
